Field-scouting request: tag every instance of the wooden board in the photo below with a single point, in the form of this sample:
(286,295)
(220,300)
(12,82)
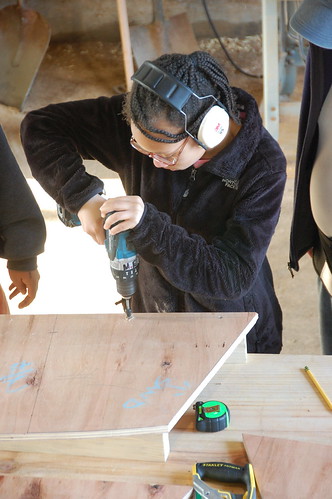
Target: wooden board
(56,488)
(289,467)
(100,376)
(256,392)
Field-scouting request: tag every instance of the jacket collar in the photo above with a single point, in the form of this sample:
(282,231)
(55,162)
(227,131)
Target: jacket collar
(232,160)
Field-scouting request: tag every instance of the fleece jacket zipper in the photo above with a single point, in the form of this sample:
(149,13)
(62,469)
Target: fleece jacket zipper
(192,179)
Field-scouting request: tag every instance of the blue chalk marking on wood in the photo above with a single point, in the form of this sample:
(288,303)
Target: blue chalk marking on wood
(159,384)
(18,370)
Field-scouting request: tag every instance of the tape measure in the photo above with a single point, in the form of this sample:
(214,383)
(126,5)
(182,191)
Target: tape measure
(211,416)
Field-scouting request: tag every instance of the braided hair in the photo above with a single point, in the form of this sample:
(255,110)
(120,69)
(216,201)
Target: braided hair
(202,74)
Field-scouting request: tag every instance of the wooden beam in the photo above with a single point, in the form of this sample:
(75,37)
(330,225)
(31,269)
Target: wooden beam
(125,41)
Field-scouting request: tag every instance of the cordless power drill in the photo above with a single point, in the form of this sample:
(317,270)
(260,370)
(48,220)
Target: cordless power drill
(123,259)
(124,266)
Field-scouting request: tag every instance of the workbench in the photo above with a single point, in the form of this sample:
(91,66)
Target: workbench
(268,395)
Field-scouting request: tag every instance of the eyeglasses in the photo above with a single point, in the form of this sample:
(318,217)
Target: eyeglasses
(170,159)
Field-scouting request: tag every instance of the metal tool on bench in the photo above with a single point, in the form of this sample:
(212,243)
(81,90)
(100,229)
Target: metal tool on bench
(223,472)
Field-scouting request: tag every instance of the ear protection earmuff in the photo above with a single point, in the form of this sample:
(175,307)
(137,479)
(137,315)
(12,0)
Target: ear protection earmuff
(215,123)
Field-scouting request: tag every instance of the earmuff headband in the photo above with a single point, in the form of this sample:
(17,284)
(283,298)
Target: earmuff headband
(162,84)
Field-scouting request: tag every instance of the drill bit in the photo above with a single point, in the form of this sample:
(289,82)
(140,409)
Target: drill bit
(126,305)
(127,308)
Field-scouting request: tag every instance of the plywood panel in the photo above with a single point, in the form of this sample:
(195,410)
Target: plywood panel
(290,467)
(24,345)
(102,376)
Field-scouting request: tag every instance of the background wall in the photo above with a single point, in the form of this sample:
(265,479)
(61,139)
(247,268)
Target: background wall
(78,20)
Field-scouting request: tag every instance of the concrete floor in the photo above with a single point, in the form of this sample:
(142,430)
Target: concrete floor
(75,274)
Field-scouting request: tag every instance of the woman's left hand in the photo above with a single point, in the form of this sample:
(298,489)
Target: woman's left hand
(128,211)
(25,282)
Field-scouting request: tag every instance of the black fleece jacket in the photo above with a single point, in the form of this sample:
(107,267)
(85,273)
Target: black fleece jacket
(22,227)
(204,233)
(317,83)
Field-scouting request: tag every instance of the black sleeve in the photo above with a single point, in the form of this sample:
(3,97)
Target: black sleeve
(22,227)
(57,138)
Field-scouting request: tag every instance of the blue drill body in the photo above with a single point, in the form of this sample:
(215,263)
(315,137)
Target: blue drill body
(124,264)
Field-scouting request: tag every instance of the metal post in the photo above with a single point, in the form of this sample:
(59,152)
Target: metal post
(270,66)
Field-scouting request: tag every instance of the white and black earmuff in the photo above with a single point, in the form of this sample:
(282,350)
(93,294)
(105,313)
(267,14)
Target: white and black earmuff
(214,127)
(215,124)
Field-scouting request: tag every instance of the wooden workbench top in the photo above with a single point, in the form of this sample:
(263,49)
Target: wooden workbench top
(269,395)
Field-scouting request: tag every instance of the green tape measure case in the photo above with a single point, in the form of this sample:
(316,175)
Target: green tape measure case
(211,416)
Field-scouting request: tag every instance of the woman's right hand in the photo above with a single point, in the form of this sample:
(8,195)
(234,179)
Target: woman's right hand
(91,220)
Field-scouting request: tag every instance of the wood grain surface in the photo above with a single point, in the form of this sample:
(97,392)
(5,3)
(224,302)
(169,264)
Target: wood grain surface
(99,376)
(270,396)
(57,488)
(290,468)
